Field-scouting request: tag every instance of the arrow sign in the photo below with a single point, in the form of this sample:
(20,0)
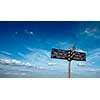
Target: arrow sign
(79,56)
(60,54)
(68,55)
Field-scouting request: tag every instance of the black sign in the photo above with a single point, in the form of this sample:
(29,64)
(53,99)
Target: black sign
(79,56)
(60,54)
(68,55)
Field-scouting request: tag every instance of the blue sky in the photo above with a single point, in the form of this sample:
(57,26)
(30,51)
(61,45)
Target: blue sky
(31,43)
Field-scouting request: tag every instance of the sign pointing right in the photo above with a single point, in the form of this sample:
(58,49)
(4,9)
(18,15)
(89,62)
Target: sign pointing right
(79,56)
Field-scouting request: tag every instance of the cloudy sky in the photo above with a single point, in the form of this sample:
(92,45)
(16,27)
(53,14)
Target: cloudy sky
(30,43)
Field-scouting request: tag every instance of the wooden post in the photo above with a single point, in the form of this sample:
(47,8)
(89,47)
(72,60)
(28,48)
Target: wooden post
(69,63)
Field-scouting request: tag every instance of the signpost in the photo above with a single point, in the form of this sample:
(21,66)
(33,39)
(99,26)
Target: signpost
(68,55)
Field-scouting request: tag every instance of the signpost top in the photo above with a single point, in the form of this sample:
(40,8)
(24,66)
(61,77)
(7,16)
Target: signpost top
(68,54)
(74,47)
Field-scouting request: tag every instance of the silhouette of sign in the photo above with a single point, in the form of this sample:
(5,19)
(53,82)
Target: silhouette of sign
(68,55)
(60,54)
(79,56)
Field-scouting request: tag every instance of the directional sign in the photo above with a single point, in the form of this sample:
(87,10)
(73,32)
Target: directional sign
(60,54)
(79,56)
(69,55)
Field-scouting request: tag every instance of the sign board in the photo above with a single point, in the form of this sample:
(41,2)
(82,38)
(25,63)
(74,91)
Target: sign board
(79,56)
(68,55)
(60,54)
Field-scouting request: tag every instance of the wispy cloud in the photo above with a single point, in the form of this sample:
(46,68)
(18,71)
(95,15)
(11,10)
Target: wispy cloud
(26,31)
(94,54)
(21,54)
(52,63)
(29,32)
(81,64)
(91,32)
(93,58)
(6,53)
(40,57)
(94,70)
(30,49)
(14,62)
(16,33)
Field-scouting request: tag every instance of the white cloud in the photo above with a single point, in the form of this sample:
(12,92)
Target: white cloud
(28,32)
(30,49)
(28,64)
(94,70)
(93,62)
(52,63)
(81,64)
(38,55)
(6,53)
(94,54)
(93,58)
(31,33)
(21,54)
(16,33)
(87,30)
(14,62)
(91,32)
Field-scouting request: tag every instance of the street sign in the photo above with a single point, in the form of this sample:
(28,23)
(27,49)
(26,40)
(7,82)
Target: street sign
(60,54)
(68,55)
(79,56)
